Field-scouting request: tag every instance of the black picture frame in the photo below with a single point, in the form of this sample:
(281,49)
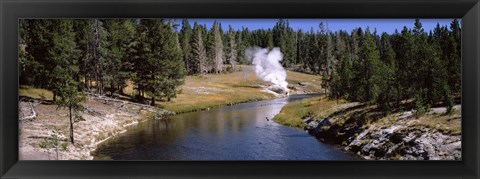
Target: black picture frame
(468,10)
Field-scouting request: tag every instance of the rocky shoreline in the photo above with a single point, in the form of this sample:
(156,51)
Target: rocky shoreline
(401,136)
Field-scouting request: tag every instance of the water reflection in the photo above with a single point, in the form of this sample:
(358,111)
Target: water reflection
(239,132)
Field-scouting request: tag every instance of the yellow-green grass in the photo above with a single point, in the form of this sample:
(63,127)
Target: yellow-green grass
(317,107)
(446,123)
(292,113)
(297,77)
(451,124)
(36,93)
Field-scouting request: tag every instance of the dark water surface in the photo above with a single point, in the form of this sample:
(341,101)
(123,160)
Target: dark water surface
(239,132)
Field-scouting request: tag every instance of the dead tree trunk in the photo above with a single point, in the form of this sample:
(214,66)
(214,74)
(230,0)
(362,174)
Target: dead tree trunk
(71,125)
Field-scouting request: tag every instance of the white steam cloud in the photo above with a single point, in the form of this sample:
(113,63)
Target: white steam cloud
(267,65)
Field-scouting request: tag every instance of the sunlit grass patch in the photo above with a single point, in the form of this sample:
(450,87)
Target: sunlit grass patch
(297,77)
(36,93)
(191,102)
(292,113)
(318,107)
(451,124)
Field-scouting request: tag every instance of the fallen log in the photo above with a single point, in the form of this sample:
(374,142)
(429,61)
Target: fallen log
(107,100)
(34,113)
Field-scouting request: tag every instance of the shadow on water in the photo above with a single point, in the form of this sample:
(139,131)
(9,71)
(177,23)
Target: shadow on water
(239,132)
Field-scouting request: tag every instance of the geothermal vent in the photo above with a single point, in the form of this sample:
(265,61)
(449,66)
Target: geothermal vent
(268,68)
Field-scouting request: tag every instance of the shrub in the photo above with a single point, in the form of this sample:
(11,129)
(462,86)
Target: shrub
(450,102)
(420,107)
(54,141)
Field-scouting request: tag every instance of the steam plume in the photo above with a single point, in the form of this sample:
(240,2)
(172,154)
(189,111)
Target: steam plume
(267,65)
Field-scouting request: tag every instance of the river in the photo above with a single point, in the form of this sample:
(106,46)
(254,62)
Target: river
(238,132)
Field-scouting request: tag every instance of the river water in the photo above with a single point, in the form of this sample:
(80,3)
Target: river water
(238,132)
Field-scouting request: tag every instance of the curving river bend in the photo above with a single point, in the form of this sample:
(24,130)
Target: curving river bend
(239,132)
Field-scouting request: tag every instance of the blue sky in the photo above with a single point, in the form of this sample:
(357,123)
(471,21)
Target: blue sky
(382,25)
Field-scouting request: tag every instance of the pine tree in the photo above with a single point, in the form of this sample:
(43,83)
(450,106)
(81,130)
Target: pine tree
(370,66)
(387,52)
(426,59)
(23,55)
(165,70)
(84,39)
(64,54)
(210,48)
(302,50)
(140,52)
(199,51)
(342,76)
(155,30)
(218,56)
(232,48)
(185,43)
(241,47)
(130,30)
(269,39)
(455,61)
(173,65)
(284,37)
(403,47)
(100,54)
(356,38)
(330,61)
(120,33)
(324,56)
(313,52)
(37,67)
(291,50)
(387,74)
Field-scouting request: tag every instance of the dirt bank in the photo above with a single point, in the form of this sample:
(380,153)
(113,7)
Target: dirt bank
(101,120)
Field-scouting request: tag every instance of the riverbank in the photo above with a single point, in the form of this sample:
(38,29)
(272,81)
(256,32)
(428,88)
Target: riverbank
(362,129)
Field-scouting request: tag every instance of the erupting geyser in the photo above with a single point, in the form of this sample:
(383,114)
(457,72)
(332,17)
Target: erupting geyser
(268,67)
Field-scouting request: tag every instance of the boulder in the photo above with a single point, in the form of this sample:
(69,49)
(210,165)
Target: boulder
(302,83)
(311,125)
(278,89)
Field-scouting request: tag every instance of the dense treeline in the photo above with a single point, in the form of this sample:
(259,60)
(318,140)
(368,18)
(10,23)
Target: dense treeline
(103,55)
(387,69)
